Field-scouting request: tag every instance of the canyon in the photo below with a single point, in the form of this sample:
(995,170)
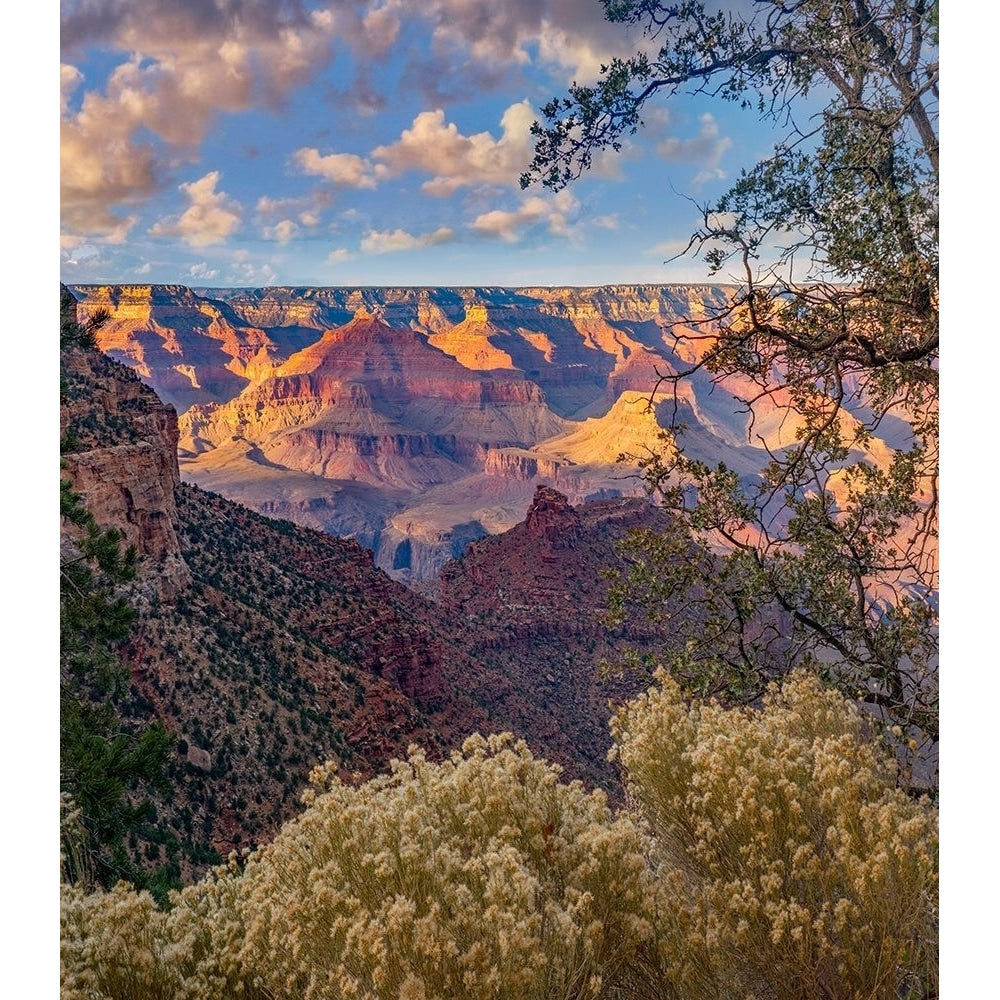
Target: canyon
(263,647)
(417,420)
(484,509)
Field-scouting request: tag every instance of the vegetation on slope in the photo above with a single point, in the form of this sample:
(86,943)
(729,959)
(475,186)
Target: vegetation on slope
(770,855)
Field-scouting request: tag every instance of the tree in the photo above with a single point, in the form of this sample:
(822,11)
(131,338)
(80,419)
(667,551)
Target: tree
(829,556)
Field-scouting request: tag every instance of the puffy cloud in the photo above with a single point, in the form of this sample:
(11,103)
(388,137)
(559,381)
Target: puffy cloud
(213,56)
(69,79)
(581,55)
(100,166)
(706,148)
(188,61)
(456,160)
(343,169)
(210,218)
(534,211)
(471,38)
(398,239)
(381,29)
(306,211)
(284,232)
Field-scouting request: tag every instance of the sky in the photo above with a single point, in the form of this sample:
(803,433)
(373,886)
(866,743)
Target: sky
(365,142)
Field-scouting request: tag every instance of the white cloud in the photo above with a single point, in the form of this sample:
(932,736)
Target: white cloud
(344,169)
(433,147)
(580,55)
(339,256)
(100,166)
(511,226)
(398,239)
(210,218)
(284,232)
(282,219)
(569,35)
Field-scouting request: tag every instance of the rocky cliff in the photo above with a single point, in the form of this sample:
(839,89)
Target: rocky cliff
(535,600)
(120,453)
(447,403)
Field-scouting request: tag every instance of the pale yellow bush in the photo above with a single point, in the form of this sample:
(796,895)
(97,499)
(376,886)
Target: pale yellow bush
(483,876)
(787,866)
(791,866)
(111,945)
(119,945)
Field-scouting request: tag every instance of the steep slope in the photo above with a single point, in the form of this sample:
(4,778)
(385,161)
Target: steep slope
(264,647)
(119,449)
(535,599)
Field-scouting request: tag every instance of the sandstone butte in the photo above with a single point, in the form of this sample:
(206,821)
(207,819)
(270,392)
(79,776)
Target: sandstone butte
(419,419)
(264,647)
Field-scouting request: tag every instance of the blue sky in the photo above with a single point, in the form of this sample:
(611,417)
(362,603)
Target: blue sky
(364,142)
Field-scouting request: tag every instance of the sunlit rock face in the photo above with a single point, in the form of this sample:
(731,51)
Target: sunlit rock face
(415,419)
(187,348)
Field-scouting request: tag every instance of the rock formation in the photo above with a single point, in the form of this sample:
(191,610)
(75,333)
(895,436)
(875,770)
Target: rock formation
(121,457)
(403,416)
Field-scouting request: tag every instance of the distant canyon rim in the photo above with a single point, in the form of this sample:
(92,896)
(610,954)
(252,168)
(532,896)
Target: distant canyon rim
(417,420)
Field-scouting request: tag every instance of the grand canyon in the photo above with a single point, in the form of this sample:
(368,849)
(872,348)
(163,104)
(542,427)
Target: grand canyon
(263,646)
(417,420)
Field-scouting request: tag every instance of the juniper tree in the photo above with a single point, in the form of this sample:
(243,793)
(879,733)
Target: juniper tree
(830,554)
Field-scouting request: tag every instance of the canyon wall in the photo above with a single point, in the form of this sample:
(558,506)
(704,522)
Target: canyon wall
(413,419)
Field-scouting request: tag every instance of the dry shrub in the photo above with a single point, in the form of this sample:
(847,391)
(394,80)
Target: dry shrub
(782,863)
(120,945)
(483,876)
(791,866)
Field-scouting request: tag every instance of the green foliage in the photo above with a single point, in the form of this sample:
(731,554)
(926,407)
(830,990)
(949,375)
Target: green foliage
(774,858)
(93,618)
(829,556)
(100,764)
